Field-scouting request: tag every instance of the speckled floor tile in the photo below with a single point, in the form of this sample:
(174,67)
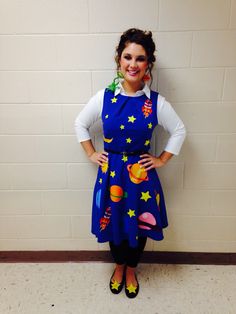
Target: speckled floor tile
(82,288)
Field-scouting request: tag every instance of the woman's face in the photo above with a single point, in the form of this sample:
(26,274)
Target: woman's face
(133,63)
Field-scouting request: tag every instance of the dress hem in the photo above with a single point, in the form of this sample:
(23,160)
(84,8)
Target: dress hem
(148,236)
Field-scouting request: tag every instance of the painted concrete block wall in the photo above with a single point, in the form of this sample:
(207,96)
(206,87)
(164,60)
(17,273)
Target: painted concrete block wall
(54,55)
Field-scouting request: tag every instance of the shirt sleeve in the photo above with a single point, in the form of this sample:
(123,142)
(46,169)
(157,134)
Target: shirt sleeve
(172,123)
(88,116)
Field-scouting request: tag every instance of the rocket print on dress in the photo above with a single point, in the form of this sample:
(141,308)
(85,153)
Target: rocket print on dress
(147,108)
(104,221)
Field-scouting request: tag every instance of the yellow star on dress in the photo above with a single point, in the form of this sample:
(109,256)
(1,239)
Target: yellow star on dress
(131,288)
(100,180)
(125,158)
(115,285)
(114,100)
(145,196)
(147,143)
(131,212)
(106,116)
(131,119)
(112,174)
(104,167)
(150,125)
(128,140)
(122,127)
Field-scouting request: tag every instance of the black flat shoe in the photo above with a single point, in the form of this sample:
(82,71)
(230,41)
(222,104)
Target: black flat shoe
(132,291)
(116,287)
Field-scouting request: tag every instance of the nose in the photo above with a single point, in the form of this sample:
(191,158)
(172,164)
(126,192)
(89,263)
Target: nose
(133,63)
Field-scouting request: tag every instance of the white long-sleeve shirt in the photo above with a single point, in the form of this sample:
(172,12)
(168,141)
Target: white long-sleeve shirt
(166,117)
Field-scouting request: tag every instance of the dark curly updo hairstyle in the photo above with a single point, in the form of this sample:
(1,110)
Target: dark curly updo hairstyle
(139,37)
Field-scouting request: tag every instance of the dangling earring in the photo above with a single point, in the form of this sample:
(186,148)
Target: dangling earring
(120,74)
(146,77)
(115,82)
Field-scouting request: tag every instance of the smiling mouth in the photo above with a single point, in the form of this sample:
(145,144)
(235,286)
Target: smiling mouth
(133,73)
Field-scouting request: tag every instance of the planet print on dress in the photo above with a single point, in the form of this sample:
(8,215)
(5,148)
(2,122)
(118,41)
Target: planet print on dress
(117,193)
(136,173)
(98,198)
(104,221)
(147,108)
(148,222)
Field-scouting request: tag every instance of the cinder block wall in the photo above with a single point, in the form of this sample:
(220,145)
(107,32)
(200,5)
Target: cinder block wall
(54,55)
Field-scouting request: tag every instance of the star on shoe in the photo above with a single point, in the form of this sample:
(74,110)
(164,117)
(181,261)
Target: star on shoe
(115,285)
(131,288)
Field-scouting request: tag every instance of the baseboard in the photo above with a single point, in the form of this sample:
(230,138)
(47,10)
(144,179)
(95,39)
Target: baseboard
(152,257)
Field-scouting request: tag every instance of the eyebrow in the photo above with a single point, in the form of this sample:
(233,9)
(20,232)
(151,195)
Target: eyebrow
(128,54)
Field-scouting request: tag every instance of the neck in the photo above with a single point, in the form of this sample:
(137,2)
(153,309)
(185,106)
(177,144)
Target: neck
(131,89)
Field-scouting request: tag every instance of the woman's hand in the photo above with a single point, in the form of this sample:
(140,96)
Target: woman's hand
(99,158)
(148,162)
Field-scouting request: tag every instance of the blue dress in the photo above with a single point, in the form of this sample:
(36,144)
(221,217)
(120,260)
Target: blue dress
(128,201)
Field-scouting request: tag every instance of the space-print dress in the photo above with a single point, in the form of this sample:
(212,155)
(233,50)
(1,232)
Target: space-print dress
(128,201)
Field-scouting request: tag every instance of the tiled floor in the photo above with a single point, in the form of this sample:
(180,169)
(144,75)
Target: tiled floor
(82,288)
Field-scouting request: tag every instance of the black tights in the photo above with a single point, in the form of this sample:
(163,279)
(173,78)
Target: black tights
(124,254)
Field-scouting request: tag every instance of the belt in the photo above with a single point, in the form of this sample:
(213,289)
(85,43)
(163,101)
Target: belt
(138,152)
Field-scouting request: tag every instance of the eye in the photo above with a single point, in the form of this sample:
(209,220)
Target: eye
(141,58)
(127,57)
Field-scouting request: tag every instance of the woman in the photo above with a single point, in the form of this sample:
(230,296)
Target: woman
(128,201)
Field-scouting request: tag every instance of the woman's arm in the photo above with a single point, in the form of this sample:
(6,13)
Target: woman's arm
(96,157)
(149,161)
(85,119)
(165,156)
(88,116)
(171,122)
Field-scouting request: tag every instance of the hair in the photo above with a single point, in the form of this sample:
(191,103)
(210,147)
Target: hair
(139,37)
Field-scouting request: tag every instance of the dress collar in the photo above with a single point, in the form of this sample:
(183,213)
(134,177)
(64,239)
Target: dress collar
(145,90)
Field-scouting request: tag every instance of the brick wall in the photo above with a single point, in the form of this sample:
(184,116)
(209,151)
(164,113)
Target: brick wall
(54,55)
